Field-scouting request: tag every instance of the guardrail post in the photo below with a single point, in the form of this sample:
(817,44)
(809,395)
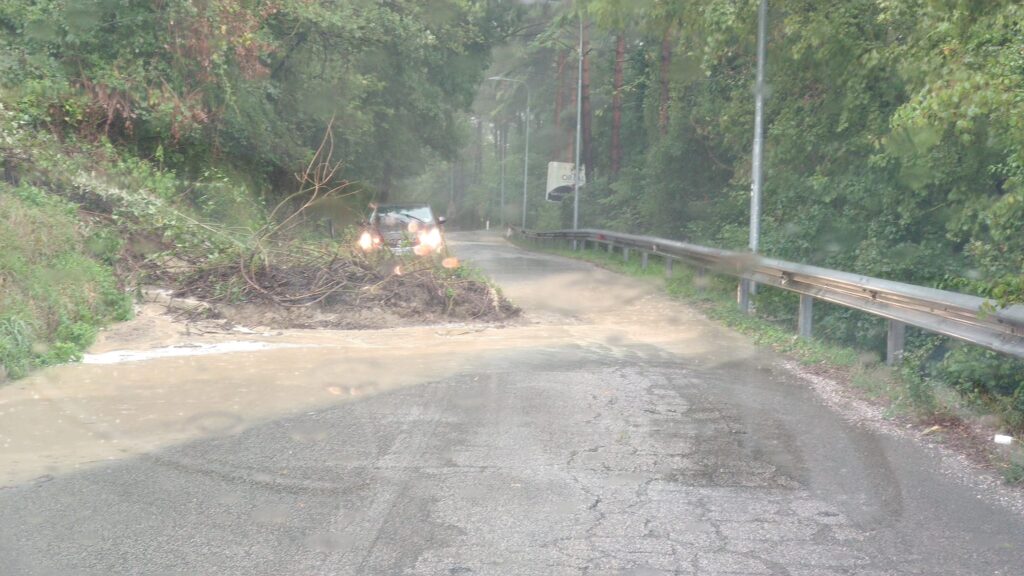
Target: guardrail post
(804,317)
(668,267)
(611,247)
(643,260)
(700,278)
(625,254)
(743,296)
(894,342)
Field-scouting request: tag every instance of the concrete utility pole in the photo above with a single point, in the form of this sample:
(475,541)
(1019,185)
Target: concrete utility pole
(757,168)
(526,152)
(502,135)
(747,287)
(579,122)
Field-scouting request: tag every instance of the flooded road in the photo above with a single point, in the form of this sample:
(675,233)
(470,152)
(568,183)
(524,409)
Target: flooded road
(608,431)
(149,383)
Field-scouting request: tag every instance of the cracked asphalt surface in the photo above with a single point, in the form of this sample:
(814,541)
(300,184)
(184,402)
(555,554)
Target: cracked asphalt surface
(610,455)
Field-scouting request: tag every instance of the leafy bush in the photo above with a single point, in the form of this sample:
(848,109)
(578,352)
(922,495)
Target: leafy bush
(986,378)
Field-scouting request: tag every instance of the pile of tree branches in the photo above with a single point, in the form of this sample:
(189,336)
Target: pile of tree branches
(276,266)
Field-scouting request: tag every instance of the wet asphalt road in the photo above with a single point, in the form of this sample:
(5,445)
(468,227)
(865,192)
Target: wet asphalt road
(610,457)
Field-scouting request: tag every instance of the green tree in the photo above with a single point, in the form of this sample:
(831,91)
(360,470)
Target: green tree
(251,85)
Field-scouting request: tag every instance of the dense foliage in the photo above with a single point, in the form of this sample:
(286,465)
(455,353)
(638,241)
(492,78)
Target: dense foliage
(249,85)
(894,142)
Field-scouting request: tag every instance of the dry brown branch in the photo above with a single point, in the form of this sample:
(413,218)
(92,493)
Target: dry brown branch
(318,182)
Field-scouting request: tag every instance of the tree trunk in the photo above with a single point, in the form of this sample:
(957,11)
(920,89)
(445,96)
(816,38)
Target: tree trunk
(666,62)
(586,157)
(451,213)
(384,192)
(620,56)
(478,160)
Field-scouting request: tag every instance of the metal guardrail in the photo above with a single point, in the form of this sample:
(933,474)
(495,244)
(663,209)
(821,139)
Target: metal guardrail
(960,316)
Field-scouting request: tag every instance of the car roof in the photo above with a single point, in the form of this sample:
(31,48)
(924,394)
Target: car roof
(379,206)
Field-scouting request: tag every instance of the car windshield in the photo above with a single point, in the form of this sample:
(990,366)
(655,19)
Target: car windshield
(401,216)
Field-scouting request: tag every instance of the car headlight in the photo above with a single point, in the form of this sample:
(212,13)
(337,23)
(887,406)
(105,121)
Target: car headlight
(430,239)
(368,241)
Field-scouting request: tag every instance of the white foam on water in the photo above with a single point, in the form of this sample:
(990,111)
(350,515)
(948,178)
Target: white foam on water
(119,356)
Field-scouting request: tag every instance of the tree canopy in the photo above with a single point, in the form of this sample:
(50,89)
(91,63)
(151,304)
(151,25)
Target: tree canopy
(251,84)
(893,129)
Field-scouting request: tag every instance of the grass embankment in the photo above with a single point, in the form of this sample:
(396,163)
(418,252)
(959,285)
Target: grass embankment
(57,285)
(906,392)
(77,221)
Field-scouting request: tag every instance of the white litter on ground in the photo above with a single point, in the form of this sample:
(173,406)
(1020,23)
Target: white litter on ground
(119,356)
(1000,439)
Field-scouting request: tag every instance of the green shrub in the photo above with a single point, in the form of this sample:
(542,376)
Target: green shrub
(985,378)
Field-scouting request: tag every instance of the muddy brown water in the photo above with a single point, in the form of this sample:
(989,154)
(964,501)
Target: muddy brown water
(156,382)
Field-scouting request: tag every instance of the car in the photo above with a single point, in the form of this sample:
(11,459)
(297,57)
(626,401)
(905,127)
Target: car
(403,228)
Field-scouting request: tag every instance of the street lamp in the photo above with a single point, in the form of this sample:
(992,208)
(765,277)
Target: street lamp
(748,287)
(579,124)
(526,153)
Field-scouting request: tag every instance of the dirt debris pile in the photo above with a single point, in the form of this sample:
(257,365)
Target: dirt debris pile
(323,289)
